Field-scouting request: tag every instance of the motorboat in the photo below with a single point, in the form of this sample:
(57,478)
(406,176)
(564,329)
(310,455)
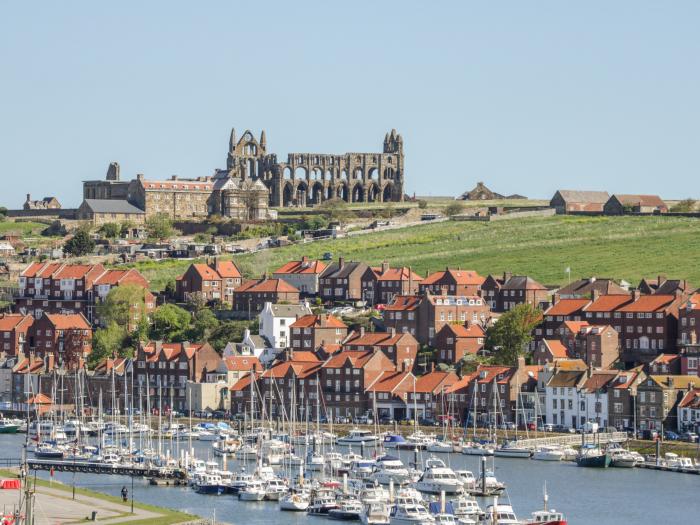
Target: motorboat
(211,484)
(621,458)
(225,447)
(48,451)
(246,452)
(673,460)
(322,501)
(466,509)
(437,478)
(440,446)
(8,426)
(501,514)
(487,484)
(592,456)
(548,453)
(357,436)
(316,462)
(375,513)
(362,468)
(240,481)
(254,491)
(394,441)
(442,513)
(390,468)
(295,501)
(513,450)
(478,449)
(467,478)
(349,510)
(546,516)
(410,514)
(275,489)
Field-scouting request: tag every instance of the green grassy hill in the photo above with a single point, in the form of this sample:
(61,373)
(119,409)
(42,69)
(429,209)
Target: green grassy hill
(620,247)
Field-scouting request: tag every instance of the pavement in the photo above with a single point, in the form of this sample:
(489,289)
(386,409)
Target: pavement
(53,506)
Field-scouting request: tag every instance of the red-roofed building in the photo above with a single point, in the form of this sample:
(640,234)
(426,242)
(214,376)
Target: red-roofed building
(312,331)
(620,204)
(66,337)
(504,293)
(303,275)
(401,314)
(381,284)
(689,321)
(664,364)
(452,282)
(165,368)
(72,288)
(344,377)
(402,349)
(550,350)
(454,341)
(14,334)
(215,281)
(429,397)
(562,310)
(389,394)
(249,299)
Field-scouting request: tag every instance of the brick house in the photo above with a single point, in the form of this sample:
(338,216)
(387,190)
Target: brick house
(402,314)
(662,285)
(452,282)
(658,397)
(649,326)
(549,350)
(342,281)
(567,201)
(312,331)
(303,275)
(453,341)
(503,293)
(400,348)
(381,284)
(562,310)
(164,369)
(72,288)
(689,320)
(14,334)
(622,393)
(585,287)
(345,376)
(111,279)
(690,360)
(598,346)
(388,394)
(249,299)
(664,364)
(215,281)
(67,337)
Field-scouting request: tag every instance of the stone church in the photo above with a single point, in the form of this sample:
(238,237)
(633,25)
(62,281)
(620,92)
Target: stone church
(254,180)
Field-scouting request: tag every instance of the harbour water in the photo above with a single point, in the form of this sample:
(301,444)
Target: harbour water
(586,496)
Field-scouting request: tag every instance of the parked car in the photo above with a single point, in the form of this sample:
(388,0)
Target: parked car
(219,414)
(342,420)
(671,436)
(427,422)
(385,420)
(564,429)
(508,425)
(546,427)
(690,437)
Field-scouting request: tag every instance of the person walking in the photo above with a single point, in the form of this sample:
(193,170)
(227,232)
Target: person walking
(125,494)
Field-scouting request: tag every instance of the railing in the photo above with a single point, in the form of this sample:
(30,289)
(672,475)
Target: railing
(575,439)
(10,462)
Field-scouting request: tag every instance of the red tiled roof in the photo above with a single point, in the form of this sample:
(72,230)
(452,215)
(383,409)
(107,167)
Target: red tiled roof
(625,379)
(403,303)
(39,399)
(375,339)
(305,266)
(556,348)
(691,399)
(303,356)
(609,303)
(575,326)
(266,285)
(649,303)
(73,271)
(389,381)
(567,306)
(599,380)
(435,381)
(11,321)
(171,351)
(242,384)
(462,383)
(486,373)
(111,276)
(463,277)
(397,274)
(693,302)
(641,200)
(318,321)
(239,363)
(665,359)
(227,269)
(205,271)
(459,330)
(68,321)
(357,359)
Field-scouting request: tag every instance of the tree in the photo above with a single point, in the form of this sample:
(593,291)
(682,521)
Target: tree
(205,322)
(230,331)
(123,305)
(336,210)
(107,342)
(509,336)
(110,230)
(171,323)
(454,208)
(170,289)
(159,226)
(80,244)
(684,206)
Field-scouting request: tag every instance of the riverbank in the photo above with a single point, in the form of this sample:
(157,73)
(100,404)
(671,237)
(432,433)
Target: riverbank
(56,502)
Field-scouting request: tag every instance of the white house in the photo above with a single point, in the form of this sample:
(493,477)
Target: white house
(563,397)
(593,397)
(275,320)
(689,411)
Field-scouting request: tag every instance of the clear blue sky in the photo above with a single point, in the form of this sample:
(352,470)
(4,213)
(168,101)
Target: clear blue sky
(526,96)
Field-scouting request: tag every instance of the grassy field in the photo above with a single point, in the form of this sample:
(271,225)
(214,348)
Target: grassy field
(621,247)
(22,229)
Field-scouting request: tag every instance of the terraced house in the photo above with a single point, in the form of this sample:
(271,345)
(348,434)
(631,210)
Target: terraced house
(303,275)
(504,293)
(312,331)
(14,334)
(250,297)
(214,281)
(381,284)
(452,282)
(342,281)
(402,349)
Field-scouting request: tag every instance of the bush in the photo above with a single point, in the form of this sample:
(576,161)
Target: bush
(684,206)
(81,244)
(453,209)
(422,204)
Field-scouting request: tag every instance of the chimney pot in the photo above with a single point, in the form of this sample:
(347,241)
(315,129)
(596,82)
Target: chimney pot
(636,295)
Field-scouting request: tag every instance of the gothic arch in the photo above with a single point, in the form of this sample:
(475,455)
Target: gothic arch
(287,173)
(388,192)
(342,192)
(358,193)
(389,173)
(316,192)
(358,174)
(301,172)
(374,173)
(373,192)
(287,194)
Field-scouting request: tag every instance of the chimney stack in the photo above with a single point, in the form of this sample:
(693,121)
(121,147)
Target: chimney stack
(392,331)
(507,276)
(595,294)
(636,294)
(385,266)
(362,331)
(29,197)
(341,262)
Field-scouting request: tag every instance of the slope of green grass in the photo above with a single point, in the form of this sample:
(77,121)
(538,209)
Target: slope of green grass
(620,247)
